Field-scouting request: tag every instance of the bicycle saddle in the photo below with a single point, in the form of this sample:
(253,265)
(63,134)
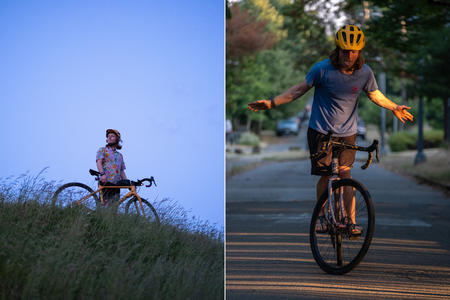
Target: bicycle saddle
(94,173)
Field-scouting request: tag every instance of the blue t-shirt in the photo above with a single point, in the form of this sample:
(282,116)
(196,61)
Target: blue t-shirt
(335,105)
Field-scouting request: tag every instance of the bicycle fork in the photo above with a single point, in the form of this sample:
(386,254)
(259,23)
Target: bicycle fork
(140,204)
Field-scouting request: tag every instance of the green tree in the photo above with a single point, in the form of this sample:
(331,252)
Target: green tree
(412,39)
(263,10)
(264,71)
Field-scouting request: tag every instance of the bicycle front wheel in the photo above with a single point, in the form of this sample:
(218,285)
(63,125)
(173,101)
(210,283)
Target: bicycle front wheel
(74,193)
(133,207)
(338,251)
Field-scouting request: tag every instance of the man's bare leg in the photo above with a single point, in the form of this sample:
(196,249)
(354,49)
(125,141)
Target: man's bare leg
(321,187)
(349,194)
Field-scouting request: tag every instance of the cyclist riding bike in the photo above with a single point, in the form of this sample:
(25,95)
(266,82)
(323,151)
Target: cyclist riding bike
(338,81)
(111,166)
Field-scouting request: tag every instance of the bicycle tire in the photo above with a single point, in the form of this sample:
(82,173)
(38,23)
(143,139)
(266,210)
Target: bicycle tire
(67,195)
(150,212)
(338,239)
(352,250)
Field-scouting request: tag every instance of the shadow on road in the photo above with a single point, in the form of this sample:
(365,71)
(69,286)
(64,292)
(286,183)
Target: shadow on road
(268,256)
(279,265)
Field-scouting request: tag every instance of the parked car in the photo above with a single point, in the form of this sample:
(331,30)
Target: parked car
(288,126)
(361,129)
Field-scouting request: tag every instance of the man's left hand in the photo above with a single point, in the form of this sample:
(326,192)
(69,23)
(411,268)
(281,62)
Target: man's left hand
(402,114)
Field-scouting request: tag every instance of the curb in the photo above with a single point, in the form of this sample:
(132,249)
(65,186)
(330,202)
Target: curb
(421,180)
(442,186)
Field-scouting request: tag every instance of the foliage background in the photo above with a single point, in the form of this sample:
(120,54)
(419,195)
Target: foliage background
(283,39)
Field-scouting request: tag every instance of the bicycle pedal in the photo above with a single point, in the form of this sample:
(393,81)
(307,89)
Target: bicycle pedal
(341,226)
(354,237)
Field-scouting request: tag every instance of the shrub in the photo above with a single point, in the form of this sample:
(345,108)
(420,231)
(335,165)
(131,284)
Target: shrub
(433,138)
(249,138)
(402,141)
(405,140)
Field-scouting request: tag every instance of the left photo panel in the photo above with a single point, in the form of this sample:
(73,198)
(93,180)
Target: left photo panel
(112,126)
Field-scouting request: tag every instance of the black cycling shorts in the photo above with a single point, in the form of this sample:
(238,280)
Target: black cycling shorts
(321,166)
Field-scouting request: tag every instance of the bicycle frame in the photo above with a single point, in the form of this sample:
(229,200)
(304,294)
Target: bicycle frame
(336,147)
(331,198)
(131,193)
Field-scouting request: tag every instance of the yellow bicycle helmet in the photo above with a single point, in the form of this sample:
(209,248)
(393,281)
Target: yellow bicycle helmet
(350,37)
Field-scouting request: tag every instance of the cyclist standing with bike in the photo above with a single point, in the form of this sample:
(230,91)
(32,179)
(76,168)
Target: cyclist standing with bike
(338,81)
(111,165)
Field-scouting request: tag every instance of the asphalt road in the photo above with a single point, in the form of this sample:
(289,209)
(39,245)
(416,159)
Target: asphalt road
(268,255)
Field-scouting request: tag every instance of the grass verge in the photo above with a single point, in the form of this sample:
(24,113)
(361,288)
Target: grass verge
(436,168)
(48,253)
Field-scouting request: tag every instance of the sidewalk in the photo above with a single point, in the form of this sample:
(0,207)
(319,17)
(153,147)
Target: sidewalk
(245,160)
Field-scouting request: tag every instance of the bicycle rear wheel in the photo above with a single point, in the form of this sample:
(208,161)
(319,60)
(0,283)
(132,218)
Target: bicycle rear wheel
(74,193)
(337,251)
(134,207)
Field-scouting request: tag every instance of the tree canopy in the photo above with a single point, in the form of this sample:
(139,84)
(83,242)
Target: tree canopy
(271,45)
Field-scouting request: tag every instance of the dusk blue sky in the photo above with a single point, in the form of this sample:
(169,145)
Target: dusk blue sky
(154,70)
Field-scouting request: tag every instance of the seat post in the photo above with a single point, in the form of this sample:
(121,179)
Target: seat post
(334,161)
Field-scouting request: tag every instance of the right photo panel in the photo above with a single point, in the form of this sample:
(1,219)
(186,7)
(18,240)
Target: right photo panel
(337,149)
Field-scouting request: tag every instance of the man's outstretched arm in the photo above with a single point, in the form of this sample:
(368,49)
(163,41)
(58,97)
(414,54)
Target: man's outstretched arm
(290,95)
(400,111)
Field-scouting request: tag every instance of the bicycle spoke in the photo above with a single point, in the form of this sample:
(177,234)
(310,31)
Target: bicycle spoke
(75,194)
(133,207)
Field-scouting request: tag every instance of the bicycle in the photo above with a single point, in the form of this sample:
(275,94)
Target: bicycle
(75,193)
(337,249)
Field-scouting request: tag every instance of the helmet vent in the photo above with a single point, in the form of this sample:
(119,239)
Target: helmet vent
(352,28)
(351,38)
(358,38)
(344,37)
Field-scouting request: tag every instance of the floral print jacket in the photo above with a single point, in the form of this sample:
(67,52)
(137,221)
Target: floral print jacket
(112,162)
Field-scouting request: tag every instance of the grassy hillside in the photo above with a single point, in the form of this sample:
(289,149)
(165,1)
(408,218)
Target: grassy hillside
(48,253)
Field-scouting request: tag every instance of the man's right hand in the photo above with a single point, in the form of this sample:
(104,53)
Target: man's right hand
(259,105)
(103,179)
